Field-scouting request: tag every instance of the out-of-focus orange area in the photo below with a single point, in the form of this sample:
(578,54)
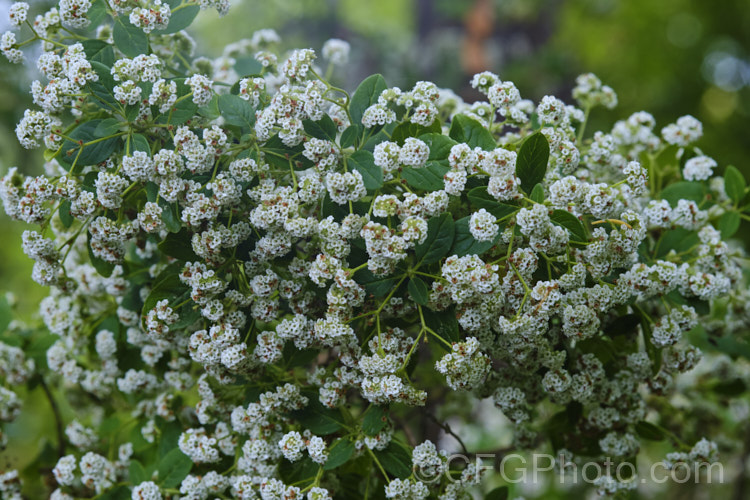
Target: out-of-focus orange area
(671,57)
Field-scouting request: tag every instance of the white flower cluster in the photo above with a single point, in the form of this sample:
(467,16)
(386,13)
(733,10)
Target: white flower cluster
(465,367)
(154,17)
(420,103)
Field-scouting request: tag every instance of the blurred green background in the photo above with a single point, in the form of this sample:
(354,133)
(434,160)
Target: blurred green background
(669,57)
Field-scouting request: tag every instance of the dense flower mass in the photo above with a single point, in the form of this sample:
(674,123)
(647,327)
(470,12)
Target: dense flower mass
(252,272)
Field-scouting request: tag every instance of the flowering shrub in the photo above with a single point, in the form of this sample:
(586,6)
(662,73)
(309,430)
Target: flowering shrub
(257,280)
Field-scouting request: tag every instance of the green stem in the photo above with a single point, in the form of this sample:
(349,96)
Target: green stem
(377,462)
(58,417)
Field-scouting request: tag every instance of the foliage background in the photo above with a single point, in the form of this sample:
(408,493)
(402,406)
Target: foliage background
(668,57)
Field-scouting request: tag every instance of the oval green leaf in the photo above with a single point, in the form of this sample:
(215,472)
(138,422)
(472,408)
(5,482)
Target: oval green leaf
(236,111)
(180,19)
(173,468)
(365,96)
(427,178)
(734,184)
(440,233)
(131,40)
(531,165)
(418,290)
(364,162)
(341,451)
(469,131)
(570,222)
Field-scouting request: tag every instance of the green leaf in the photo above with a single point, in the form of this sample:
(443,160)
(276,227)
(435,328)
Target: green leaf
(170,215)
(136,472)
(236,111)
(188,316)
(107,127)
(139,143)
(537,194)
(379,286)
(340,211)
(365,96)
(376,417)
(563,421)
(702,307)
(210,110)
(383,134)
(395,460)
(676,239)
(101,89)
(480,198)
(408,129)
(649,431)
(418,290)
(427,178)
(440,145)
(440,233)
(444,323)
(131,40)
(684,190)
(281,152)
(96,13)
(734,184)
(570,222)
(90,154)
(733,347)
(465,244)
(152,191)
(248,66)
(133,110)
(65,217)
(470,131)
(319,419)
(173,468)
(531,164)
(602,348)
(350,135)
(102,267)
(301,472)
(121,492)
(297,357)
(99,50)
(180,19)
(499,493)
(179,245)
(169,436)
(322,129)
(623,325)
(729,223)
(340,452)
(180,113)
(364,162)
(89,181)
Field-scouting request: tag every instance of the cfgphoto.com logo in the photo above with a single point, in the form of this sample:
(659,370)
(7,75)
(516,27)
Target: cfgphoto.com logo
(516,468)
